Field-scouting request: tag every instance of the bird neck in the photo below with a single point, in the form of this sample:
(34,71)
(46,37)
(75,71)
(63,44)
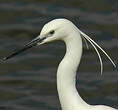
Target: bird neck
(66,74)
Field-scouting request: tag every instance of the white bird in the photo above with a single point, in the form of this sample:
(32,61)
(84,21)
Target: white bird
(65,30)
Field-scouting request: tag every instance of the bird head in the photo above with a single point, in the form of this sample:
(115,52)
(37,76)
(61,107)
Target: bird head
(57,29)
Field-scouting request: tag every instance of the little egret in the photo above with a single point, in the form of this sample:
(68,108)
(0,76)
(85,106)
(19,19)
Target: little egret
(65,30)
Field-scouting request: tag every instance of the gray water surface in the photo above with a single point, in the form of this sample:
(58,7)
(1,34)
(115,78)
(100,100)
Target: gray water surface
(28,81)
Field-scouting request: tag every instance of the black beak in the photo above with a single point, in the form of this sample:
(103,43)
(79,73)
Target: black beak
(25,47)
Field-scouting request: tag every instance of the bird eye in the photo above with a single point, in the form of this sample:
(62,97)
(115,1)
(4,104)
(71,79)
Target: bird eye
(52,32)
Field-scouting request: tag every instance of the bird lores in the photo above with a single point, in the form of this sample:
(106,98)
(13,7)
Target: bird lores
(65,30)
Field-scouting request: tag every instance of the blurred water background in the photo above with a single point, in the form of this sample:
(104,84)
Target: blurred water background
(28,81)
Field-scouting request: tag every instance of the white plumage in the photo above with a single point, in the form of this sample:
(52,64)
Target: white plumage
(65,30)
(66,73)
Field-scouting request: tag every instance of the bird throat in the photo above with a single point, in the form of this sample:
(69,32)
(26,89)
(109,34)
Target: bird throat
(66,74)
